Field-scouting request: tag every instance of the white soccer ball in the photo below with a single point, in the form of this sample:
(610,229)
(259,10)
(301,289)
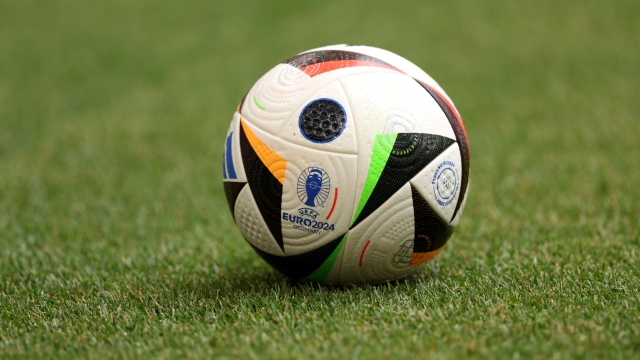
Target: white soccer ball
(345,165)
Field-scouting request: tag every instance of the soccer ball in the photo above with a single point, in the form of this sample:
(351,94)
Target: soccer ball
(346,165)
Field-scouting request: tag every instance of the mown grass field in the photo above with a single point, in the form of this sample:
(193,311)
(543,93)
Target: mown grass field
(116,240)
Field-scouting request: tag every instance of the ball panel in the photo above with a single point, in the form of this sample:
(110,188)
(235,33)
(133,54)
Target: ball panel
(231,191)
(431,232)
(390,102)
(388,57)
(307,218)
(317,200)
(381,151)
(411,152)
(251,145)
(373,244)
(271,101)
(265,174)
(440,182)
(252,225)
(280,93)
(303,265)
(345,143)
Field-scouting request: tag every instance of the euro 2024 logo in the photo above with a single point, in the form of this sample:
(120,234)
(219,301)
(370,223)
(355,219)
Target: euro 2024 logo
(313,186)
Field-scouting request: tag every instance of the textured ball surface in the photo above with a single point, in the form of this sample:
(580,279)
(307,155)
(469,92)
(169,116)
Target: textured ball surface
(345,165)
(322,120)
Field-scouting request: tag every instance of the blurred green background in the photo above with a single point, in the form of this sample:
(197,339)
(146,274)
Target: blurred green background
(116,240)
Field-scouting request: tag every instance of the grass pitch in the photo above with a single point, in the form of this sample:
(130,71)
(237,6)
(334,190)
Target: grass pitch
(115,238)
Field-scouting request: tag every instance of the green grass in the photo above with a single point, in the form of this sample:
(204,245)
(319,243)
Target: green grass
(116,241)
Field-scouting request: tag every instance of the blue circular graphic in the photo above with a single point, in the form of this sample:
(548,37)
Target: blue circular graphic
(322,120)
(446,183)
(313,186)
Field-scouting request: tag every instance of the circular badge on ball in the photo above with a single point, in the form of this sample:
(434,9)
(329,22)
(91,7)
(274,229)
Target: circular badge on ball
(445,182)
(313,186)
(322,120)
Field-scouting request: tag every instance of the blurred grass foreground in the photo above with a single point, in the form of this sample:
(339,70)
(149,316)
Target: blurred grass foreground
(116,241)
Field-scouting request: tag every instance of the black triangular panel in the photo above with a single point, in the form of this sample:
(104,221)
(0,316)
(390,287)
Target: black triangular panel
(461,139)
(300,266)
(232,190)
(411,153)
(431,232)
(266,189)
